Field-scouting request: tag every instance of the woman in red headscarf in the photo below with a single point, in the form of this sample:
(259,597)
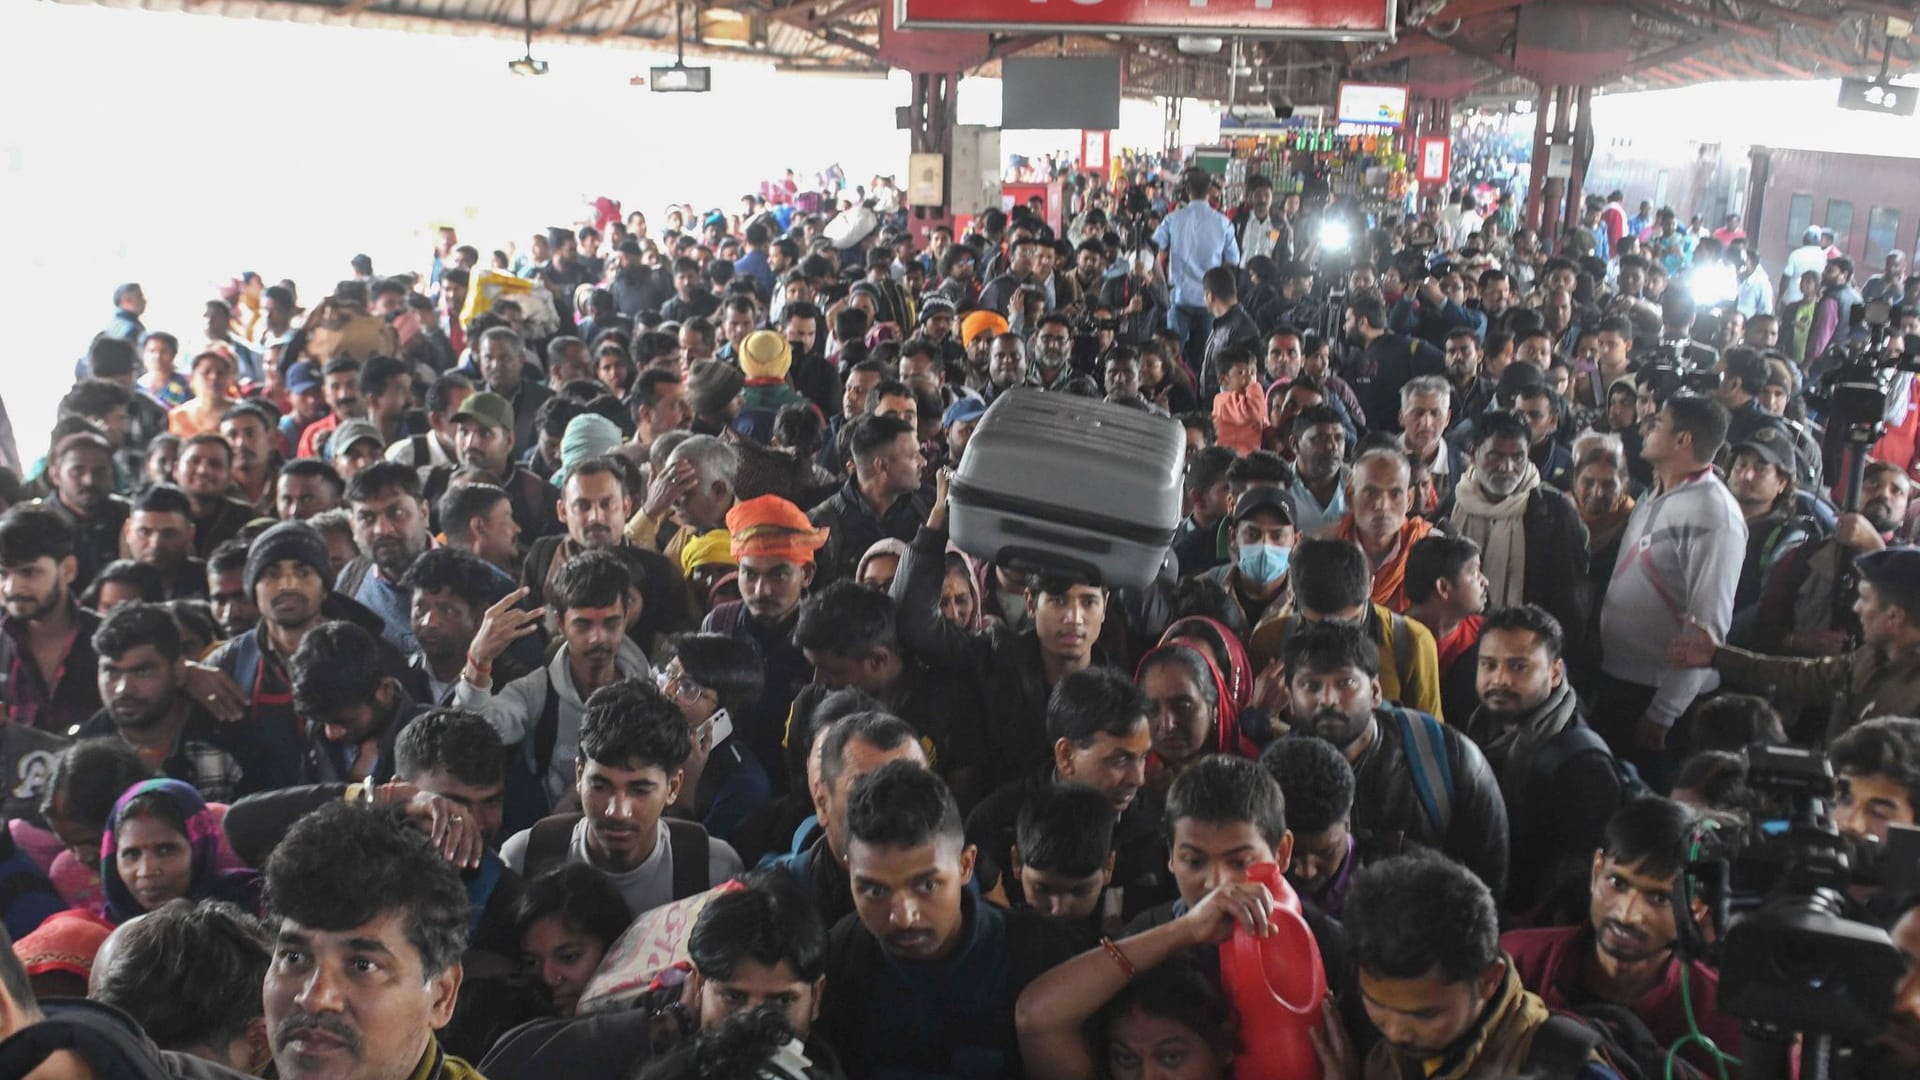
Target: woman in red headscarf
(1196,705)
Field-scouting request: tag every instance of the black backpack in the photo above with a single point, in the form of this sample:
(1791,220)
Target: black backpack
(550,837)
(1563,1045)
(1574,739)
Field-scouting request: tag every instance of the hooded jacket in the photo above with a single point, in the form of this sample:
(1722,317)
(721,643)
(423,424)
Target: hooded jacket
(516,711)
(1007,739)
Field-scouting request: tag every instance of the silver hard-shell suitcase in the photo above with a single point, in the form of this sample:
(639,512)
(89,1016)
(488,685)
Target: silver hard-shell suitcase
(1062,484)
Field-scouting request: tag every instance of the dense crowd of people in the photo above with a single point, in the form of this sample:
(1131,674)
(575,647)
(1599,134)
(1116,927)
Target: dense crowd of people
(559,664)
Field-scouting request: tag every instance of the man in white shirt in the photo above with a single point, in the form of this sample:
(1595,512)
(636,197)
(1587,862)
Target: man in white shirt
(634,745)
(1755,293)
(1466,224)
(1810,255)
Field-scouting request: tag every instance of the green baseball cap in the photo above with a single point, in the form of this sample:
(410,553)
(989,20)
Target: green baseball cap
(488,408)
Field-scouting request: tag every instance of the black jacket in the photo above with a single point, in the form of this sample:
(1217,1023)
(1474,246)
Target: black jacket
(764,724)
(1556,577)
(853,528)
(1140,876)
(952,1018)
(96,539)
(107,1040)
(1556,816)
(1009,740)
(1236,327)
(1386,800)
(813,376)
(1385,366)
(614,1044)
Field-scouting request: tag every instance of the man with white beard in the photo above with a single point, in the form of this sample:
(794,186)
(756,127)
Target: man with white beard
(1533,545)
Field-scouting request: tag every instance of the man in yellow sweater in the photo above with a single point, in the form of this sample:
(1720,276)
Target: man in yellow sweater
(1331,583)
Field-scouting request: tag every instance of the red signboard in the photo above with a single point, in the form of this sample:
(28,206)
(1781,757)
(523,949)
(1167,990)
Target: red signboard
(1340,20)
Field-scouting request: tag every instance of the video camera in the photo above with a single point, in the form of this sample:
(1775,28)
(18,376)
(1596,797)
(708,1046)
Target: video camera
(1683,364)
(1792,961)
(1851,395)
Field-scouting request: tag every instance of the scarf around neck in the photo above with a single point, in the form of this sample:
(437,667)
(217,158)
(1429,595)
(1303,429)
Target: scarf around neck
(1390,578)
(1500,530)
(1515,747)
(1602,529)
(1497,1044)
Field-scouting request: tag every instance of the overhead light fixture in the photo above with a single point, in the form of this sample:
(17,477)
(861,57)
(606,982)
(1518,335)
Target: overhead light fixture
(679,78)
(527,65)
(1199,46)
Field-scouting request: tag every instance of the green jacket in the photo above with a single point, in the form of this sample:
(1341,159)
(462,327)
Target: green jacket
(1874,683)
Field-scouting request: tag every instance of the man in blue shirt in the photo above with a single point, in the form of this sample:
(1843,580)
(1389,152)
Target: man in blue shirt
(1193,240)
(754,263)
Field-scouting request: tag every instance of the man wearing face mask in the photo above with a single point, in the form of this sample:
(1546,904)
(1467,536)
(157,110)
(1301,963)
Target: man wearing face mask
(1261,545)
(1533,546)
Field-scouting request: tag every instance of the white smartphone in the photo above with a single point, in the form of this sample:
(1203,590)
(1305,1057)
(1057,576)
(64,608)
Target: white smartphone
(721,726)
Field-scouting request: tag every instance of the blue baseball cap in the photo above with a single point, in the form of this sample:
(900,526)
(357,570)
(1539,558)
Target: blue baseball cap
(303,376)
(963,410)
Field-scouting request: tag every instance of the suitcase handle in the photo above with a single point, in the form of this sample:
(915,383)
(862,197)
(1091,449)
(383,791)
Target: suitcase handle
(1042,561)
(1027,530)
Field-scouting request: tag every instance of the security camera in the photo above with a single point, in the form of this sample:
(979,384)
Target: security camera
(1282,104)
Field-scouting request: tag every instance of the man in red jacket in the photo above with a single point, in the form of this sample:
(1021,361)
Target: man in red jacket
(1625,954)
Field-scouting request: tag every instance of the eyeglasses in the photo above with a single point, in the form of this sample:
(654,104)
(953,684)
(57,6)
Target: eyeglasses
(678,688)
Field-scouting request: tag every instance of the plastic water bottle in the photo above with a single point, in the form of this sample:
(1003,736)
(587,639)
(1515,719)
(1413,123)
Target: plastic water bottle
(1276,984)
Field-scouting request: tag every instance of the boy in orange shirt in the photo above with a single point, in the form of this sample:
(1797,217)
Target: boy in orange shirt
(1240,409)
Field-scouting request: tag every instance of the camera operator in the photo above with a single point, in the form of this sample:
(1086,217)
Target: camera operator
(1877,765)
(1138,298)
(1880,678)
(1424,311)
(1899,1048)
(1624,954)
(1743,378)
(1798,614)
(1676,346)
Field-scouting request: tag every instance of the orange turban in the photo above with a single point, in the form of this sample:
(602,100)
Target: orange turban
(771,527)
(981,322)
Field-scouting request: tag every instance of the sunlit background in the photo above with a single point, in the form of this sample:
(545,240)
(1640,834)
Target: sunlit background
(178,150)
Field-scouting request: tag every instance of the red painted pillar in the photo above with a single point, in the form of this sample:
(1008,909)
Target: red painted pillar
(1537,174)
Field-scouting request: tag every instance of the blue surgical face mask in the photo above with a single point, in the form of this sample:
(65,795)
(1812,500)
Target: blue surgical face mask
(1264,563)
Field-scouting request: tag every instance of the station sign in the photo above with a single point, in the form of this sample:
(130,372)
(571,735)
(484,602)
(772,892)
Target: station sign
(1869,95)
(1330,20)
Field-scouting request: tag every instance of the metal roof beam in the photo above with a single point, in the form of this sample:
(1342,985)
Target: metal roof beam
(1738,26)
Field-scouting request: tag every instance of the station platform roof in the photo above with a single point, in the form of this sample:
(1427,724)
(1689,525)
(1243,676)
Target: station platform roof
(1469,46)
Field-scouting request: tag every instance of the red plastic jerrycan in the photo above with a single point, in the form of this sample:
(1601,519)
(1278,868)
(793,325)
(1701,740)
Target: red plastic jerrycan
(1276,985)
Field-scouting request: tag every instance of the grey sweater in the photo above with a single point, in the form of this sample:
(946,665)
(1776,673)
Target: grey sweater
(1680,556)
